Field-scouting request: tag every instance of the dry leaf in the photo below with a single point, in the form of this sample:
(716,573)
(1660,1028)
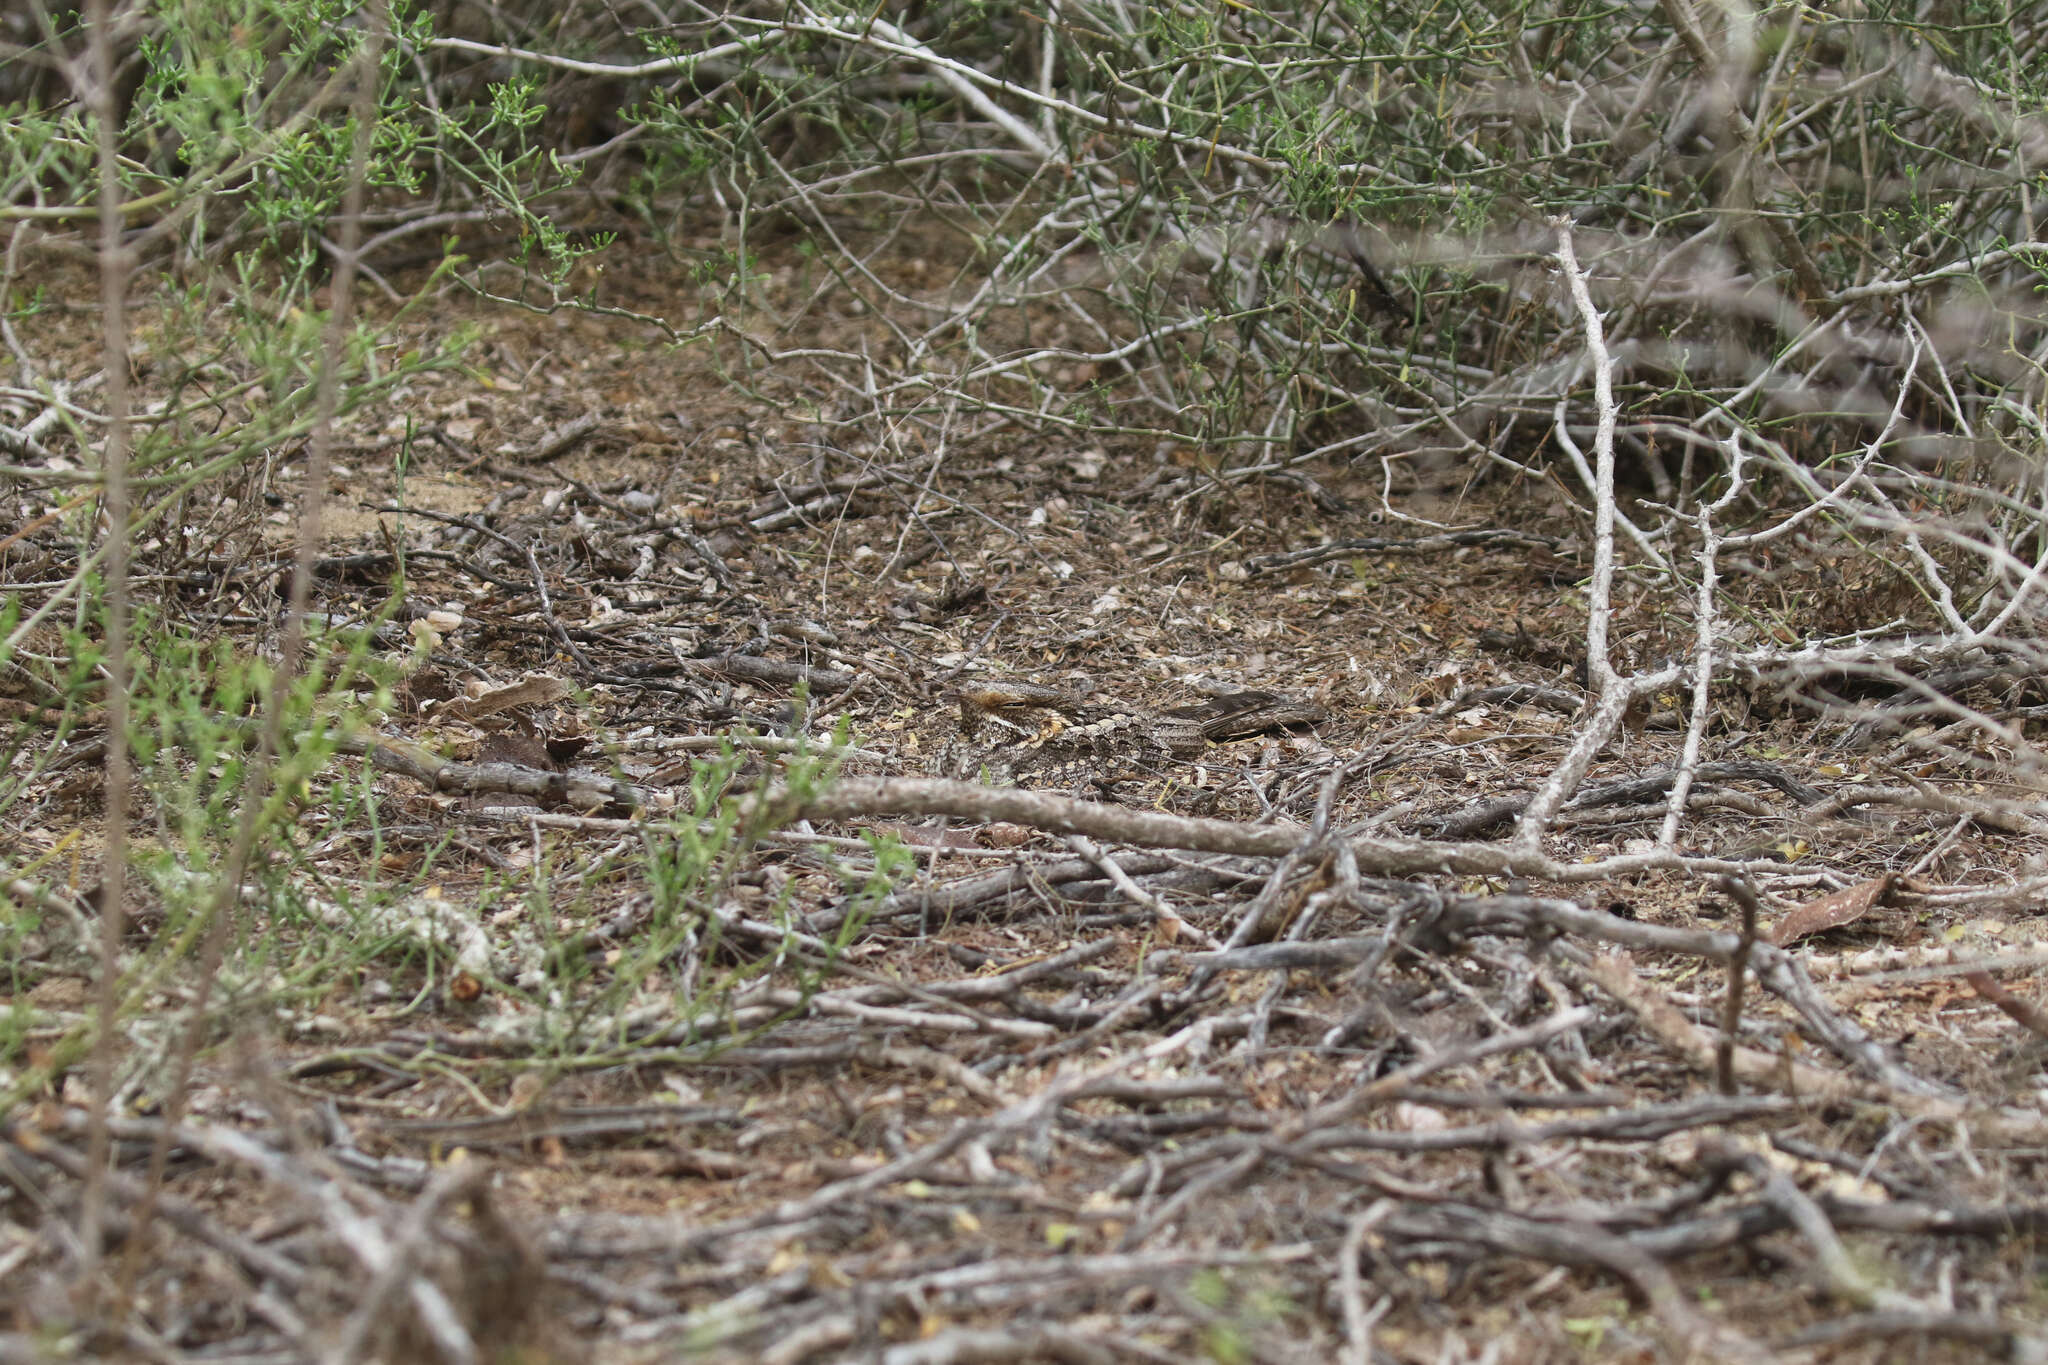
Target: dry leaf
(1831,911)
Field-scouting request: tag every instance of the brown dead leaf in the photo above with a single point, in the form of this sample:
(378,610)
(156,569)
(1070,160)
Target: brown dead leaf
(1831,911)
